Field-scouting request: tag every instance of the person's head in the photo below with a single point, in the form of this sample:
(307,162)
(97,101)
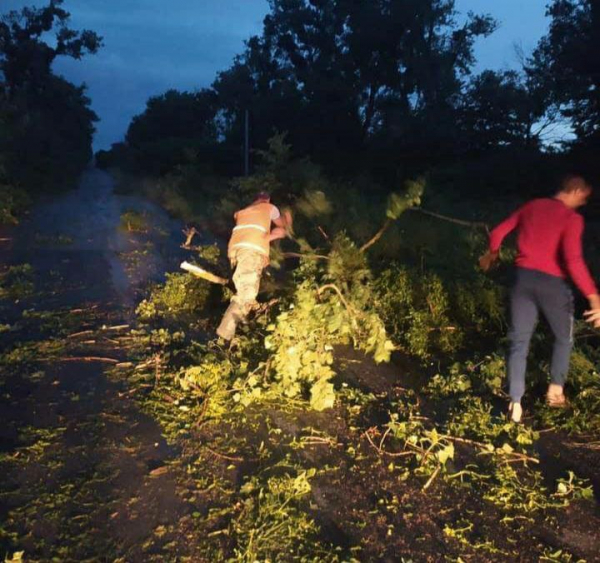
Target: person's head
(262,197)
(574,191)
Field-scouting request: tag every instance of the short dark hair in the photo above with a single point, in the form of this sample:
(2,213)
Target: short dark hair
(262,196)
(572,182)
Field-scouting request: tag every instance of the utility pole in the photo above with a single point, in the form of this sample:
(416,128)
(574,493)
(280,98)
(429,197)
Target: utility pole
(247,144)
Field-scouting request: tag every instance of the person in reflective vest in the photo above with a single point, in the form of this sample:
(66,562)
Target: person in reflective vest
(248,252)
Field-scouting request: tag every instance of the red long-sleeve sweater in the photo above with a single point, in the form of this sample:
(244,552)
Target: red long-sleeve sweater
(549,240)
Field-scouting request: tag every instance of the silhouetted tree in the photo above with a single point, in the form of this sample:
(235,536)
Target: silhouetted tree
(48,121)
(172,125)
(567,64)
(26,57)
(336,73)
(502,109)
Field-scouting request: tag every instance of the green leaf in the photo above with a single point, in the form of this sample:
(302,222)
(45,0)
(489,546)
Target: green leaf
(446,454)
(322,395)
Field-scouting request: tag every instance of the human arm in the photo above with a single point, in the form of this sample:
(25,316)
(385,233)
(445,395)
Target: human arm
(283,224)
(575,263)
(277,233)
(497,235)
(500,232)
(593,316)
(488,260)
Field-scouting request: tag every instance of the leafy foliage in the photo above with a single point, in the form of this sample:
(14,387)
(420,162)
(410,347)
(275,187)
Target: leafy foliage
(562,64)
(173,127)
(339,312)
(427,317)
(584,383)
(181,298)
(209,382)
(47,124)
(399,203)
(444,434)
(17,282)
(134,221)
(270,523)
(314,64)
(12,203)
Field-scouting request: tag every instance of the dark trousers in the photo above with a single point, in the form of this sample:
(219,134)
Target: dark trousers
(536,291)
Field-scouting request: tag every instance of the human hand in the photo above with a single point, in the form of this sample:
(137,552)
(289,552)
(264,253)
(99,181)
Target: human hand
(277,233)
(593,316)
(288,222)
(488,260)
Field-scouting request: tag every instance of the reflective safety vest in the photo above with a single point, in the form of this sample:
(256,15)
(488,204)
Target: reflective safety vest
(252,229)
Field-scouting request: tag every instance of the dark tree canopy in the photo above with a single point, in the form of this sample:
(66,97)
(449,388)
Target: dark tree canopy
(25,56)
(349,70)
(567,64)
(501,110)
(383,87)
(48,121)
(173,125)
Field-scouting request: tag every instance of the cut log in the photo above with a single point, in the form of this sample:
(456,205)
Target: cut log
(201,273)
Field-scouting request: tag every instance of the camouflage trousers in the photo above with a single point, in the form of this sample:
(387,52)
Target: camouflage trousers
(249,265)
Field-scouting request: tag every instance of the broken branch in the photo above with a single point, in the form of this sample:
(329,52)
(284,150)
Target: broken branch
(461,222)
(80,359)
(201,273)
(189,233)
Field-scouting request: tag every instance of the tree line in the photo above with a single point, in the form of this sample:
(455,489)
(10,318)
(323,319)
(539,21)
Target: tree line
(383,86)
(46,123)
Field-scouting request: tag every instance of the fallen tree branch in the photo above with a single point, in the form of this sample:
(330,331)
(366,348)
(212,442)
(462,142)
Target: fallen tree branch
(467,472)
(325,235)
(377,236)
(380,450)
(594,446)
(516,456)
(432,478)
(116,327)
(80,359)
(201,273)
(261,308)
(222,456)
(461,222)
(318,441)
(335,288)
(511,457)
(82,333)
(87,309)
(299,255)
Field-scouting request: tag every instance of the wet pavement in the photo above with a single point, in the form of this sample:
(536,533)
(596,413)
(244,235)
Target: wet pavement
(81,463)
(81,234)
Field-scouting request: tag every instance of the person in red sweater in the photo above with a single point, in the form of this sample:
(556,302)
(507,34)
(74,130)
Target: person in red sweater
(549,251)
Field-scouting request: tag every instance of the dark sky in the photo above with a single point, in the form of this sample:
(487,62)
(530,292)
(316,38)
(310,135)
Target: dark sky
(153,45)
